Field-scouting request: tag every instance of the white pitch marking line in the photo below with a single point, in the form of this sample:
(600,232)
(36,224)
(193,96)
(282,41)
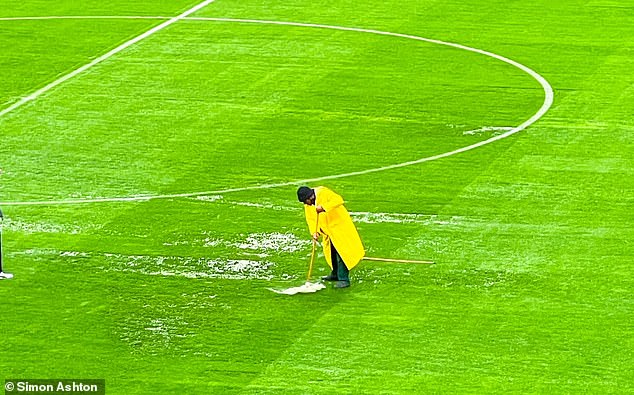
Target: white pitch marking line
(53,17)
(103,57)
(548,101)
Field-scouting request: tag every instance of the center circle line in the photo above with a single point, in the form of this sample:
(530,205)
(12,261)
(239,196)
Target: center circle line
(547,103)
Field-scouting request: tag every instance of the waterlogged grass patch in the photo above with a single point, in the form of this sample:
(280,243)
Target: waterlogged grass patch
(396,218)
(190,267)
(279,242)
(264,243)
(45,227)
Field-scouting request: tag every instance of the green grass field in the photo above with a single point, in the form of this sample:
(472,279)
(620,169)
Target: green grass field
(167,293)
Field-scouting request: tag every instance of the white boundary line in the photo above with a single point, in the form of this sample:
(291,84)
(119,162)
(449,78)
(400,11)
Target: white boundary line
(52,17)
(103,57)
(548,101)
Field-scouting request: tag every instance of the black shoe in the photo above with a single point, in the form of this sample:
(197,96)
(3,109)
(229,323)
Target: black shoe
(342,284)
(330,277)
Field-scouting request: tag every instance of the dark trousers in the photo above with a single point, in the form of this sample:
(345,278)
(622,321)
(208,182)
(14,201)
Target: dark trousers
(339,268)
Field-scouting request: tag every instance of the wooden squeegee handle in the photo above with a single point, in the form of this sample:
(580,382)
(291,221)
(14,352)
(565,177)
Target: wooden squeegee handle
(312,254)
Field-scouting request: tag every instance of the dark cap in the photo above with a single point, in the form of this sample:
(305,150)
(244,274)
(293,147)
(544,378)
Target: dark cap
(303,193)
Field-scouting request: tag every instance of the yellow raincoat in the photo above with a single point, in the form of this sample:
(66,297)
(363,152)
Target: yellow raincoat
(336,227)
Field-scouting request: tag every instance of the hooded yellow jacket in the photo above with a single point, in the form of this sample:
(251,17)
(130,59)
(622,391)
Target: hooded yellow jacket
(336,227)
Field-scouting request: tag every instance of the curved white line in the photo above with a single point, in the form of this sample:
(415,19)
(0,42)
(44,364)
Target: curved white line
(548,101)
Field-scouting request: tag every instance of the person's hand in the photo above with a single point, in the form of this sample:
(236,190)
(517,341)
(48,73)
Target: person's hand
(319,209)
(315,236)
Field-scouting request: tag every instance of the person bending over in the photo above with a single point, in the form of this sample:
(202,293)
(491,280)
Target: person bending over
(342,245)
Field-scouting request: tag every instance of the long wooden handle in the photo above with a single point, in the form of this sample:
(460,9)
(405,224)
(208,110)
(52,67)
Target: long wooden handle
(312,254)
(367,258)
